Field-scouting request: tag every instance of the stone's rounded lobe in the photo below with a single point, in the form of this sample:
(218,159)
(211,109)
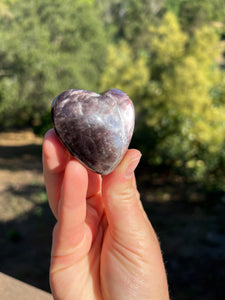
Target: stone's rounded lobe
(95,128)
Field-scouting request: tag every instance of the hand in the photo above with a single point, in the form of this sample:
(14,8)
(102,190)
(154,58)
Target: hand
(104,246)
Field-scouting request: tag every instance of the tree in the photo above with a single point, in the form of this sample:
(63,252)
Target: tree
(46,47)
(177,117)
(184,112)
(129,19)
(195,13)
(124,71)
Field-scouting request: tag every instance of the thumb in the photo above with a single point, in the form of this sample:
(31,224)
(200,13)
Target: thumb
(121,199)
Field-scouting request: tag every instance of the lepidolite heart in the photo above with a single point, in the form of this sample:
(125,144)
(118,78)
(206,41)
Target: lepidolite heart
(95,128)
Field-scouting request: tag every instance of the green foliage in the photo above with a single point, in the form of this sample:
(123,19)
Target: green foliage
(129,19)
(167,41)
(186,118)
(178,123)
(164,54)
(195,13)
(46,47)
(123,71)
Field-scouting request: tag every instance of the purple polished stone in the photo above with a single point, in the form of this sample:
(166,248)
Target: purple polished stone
(95,128)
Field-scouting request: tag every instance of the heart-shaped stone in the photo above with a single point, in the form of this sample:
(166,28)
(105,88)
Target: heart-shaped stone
(95,128)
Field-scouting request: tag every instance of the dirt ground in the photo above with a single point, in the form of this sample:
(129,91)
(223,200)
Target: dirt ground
(190,225)
(20,166)
(25,218)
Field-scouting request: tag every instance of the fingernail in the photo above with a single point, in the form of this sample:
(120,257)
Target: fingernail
(132,166)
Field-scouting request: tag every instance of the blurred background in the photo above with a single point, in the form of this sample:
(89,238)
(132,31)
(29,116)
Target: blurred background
(169,57)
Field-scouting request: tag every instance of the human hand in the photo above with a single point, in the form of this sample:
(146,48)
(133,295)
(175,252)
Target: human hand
(104,246)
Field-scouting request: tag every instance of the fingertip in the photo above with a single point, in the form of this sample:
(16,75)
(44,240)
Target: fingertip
(120,182)
(49,133)
(131,162)
(133,153)
(55,155)
(125,169)
(51,140)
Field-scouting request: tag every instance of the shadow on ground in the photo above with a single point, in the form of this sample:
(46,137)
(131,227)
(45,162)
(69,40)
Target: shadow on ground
(25,244)
(192,237)
(191,232)
(25,239)
(16,158)
(20,151)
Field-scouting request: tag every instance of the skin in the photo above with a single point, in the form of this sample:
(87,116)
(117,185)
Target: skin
(104,246)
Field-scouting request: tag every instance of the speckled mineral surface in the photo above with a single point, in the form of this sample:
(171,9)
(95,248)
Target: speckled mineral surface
(95,128)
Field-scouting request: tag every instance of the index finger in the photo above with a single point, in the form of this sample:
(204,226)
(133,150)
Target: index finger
(55,158)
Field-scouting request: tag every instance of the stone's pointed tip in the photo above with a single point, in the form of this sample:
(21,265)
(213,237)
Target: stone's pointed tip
(94,128)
